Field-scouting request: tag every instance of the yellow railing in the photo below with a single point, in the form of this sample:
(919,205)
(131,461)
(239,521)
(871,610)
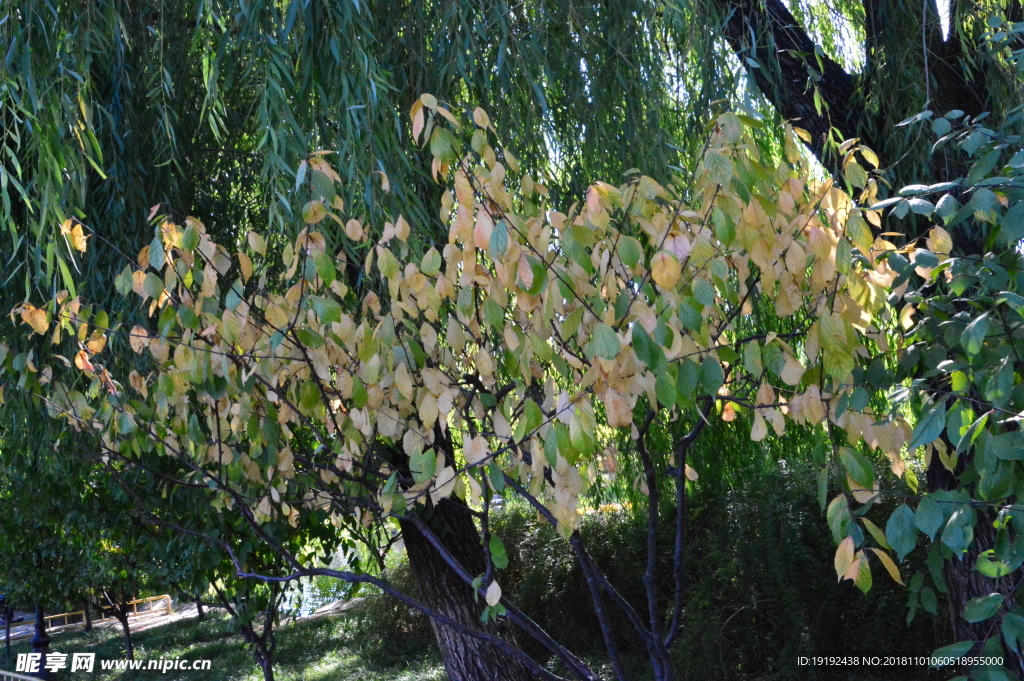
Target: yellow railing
(68,619)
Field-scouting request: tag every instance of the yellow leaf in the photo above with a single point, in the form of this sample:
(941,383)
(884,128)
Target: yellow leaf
(97,341)
(82,361)
(418,119)
(77,238)
(618,409)
(665,269)
(322,166)
(792,371)
(889,565)
(244,264)
(313,212)
(482,230)
(35,317)
(480,117)
(844,557)
(257,243)
(493,594)
(138,338)
(476,450)
(691,474)
(354,230)
(402,229)
(939,241)
(760,429)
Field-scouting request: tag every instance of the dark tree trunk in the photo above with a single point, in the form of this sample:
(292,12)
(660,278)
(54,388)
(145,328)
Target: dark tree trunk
(965,583)
(465,658)
(200,615)
(88,616)
(7,631)
(122,617)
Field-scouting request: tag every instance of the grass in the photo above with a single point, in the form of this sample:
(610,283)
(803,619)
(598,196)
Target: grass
(323,649)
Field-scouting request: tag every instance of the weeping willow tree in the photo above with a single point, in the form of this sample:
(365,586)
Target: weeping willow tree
(112,111)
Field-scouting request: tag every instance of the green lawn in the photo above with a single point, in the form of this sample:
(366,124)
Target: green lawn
(324,649)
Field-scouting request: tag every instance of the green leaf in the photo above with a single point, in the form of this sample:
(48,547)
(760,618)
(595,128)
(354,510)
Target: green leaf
(823,487)
(152,285)
(704,292)
(603,343)
(838,517)
(190,239)
(929,427)
(991,566)
(858,467)
(929,517)
(952,652)
(499,240)
(630,251)
(752,358)
(1013,224)
(431,263)
(719,166)
(974,335)
(498,555)
(494,314)
(711,375)
(959,531)
(901,532)
(981,608)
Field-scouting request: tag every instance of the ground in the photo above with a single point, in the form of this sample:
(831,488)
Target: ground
(329,648)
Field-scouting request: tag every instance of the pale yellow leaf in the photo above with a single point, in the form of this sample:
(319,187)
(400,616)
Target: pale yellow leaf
(493,595)
(844,557)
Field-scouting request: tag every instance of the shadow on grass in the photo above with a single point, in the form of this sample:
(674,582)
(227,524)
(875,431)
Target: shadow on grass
(323,649)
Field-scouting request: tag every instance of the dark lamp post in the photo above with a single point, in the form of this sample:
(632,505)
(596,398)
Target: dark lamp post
(41,643)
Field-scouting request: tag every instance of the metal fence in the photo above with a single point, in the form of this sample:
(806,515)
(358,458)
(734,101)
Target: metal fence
(11,676)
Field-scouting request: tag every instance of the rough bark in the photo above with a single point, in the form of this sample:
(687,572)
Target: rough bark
(965,583)
(465,658)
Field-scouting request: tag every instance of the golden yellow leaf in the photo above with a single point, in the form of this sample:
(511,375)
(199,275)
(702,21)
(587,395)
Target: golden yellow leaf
(82,361)
(665,269)
(245,265)
(77,238)
(35,317)
(97,341)
(889,565)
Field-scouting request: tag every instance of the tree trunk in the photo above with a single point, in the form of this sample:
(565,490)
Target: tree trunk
(268,669)
(200,615)
(465,658)
(7,631)
(965,583)
(88,616)
(122,617)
